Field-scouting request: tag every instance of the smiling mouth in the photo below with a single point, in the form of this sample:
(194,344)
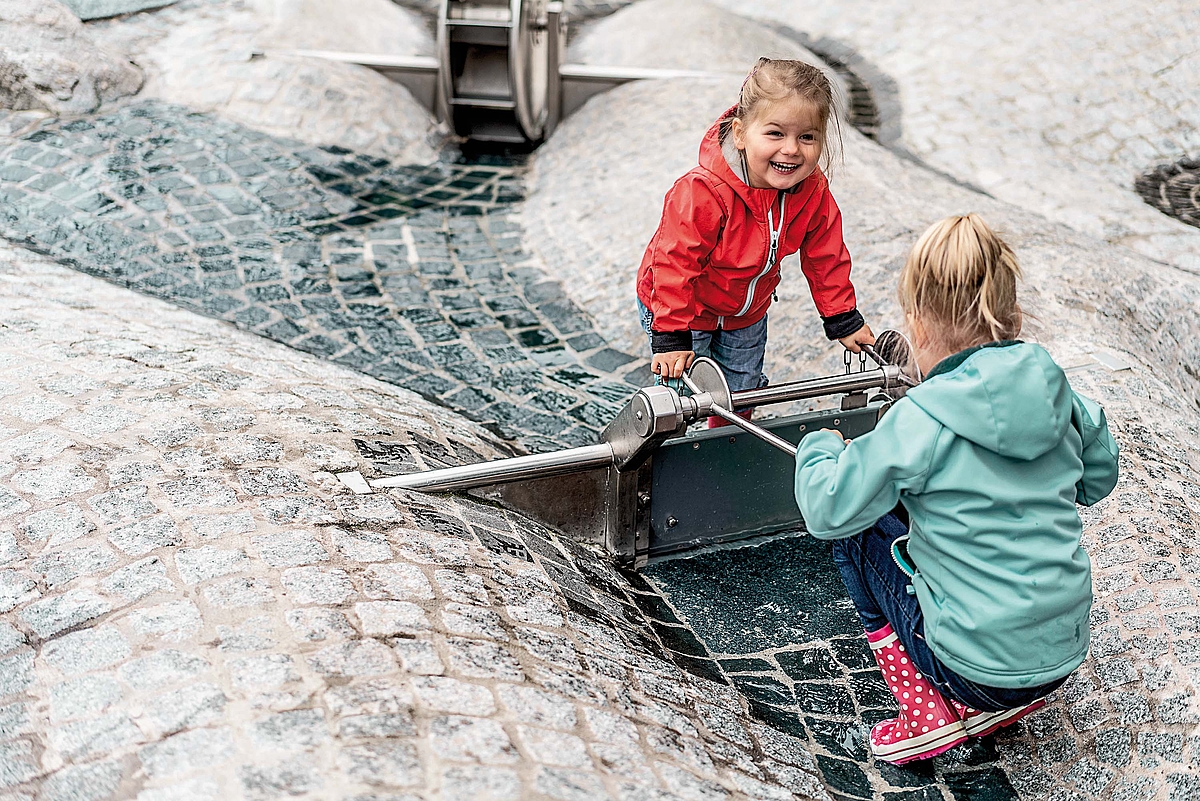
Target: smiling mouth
(786,169)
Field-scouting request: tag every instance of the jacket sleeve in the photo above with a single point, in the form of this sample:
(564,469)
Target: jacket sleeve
(843,489)
(693,217)
(1099,454)
(825,260)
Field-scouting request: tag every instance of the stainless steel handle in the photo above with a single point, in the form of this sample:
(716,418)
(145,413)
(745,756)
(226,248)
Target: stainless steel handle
(744,424)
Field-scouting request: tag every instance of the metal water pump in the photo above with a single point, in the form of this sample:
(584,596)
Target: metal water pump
(651,488)
(498,74)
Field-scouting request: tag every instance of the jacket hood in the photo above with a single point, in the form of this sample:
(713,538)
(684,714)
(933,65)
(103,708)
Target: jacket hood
(721,158)
(1010,398)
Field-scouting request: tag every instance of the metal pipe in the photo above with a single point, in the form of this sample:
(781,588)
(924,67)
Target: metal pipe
(885,376)
(504,471)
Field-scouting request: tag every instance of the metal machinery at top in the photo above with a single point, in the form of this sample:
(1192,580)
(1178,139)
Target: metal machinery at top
(498,67)
(651,488)
(498,73)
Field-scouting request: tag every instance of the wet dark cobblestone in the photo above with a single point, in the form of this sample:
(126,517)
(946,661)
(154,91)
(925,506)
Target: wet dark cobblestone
(413,274)
(776,620)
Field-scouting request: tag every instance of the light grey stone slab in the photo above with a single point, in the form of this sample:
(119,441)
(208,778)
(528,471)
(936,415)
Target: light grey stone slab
(294,776)
(219,525)
(138,580)
(292,730)
(315,624)
(173,621)
(87,650)
(49,616)
(83,696)
(354,658)
(290,549)
(200,564)
(388,763)
(15,589)
(445,694)
(540,708)
(185,708)
(312,585)
(482,658)
(467,739)
(398,581)
(138,539)
(186,752)
(59,525)
(82,739)
(388,618)
(238,592)
(265,672)
(161,668)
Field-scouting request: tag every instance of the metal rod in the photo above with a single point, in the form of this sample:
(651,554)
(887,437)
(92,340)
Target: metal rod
(758,431)
(743,423)
(504,471)
(816,387)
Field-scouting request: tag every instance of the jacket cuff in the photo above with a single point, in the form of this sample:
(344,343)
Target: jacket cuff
(844,324)
(668,341)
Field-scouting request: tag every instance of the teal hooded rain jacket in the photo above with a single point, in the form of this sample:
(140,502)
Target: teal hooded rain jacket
(989,455)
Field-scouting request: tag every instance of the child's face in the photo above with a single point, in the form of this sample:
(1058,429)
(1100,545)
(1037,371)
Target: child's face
(782,143)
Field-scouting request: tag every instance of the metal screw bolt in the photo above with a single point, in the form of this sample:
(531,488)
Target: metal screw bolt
(638,414)
(644,498)
(672,522)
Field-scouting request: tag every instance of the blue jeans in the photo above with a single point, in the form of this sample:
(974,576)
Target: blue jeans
(879,590)
(739,353)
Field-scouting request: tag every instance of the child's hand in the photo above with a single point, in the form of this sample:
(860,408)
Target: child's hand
(672,364)
(862,336)
(839,433)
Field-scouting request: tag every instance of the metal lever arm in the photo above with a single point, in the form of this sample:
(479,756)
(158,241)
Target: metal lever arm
(744,424)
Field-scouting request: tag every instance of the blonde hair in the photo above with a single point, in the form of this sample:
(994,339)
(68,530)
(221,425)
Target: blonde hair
(960,281)
(776,79)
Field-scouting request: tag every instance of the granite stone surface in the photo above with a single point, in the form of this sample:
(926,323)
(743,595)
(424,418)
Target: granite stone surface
(206,640)
(51,63)
(191,606)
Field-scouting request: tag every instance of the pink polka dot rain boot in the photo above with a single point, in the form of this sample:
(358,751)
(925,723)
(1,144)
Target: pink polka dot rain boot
(981,724)
(928,725)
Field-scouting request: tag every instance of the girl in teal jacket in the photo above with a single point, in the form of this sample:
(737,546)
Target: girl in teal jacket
(974,590)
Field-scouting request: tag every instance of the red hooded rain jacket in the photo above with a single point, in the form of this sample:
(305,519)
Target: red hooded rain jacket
(709,264)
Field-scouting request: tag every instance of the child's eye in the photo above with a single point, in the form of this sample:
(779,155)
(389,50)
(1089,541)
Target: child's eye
(808,137)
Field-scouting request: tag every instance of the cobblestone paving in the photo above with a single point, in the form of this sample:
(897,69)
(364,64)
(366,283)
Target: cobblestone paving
(191,606)
(416,275)
(187,585)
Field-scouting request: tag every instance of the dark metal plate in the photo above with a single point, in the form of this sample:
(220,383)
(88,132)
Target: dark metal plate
(722,484)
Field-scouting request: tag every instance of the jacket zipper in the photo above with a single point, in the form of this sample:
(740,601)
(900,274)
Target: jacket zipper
(775,233)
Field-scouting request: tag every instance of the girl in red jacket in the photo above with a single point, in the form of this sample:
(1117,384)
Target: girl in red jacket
(758,195)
